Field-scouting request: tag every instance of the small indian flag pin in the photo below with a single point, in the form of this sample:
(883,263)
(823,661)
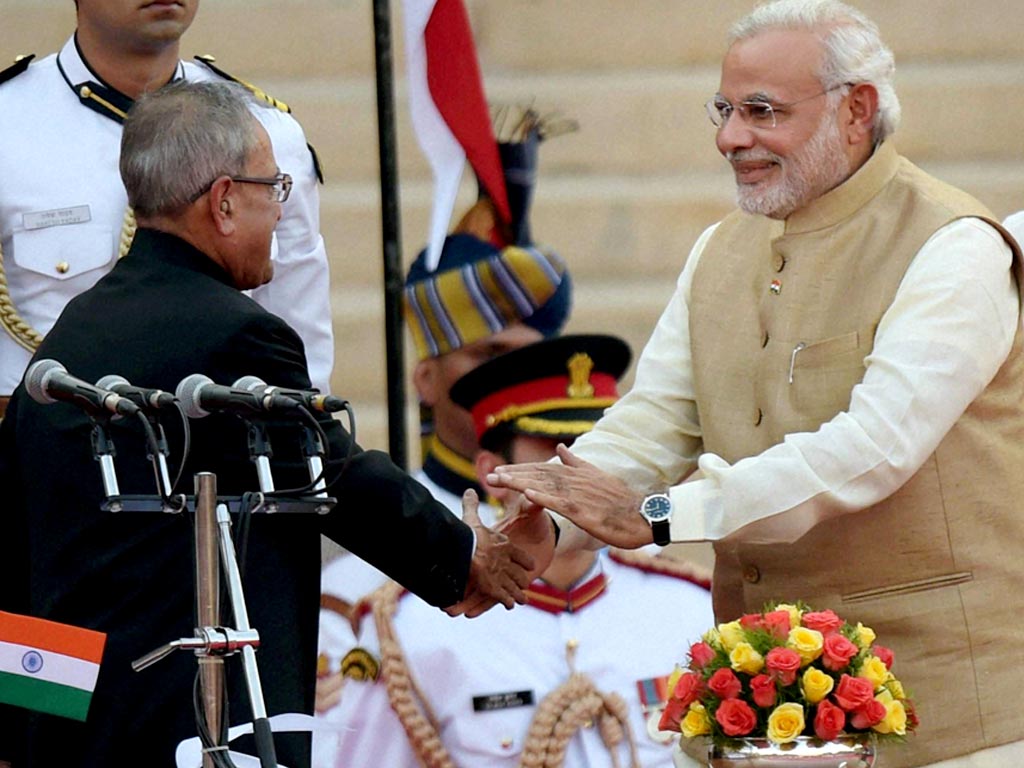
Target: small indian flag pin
(48,667)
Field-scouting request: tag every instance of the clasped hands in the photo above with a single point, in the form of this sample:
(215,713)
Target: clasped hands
(521,546)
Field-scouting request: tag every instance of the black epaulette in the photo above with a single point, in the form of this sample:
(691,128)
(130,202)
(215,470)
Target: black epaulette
(207,60)
(20,65)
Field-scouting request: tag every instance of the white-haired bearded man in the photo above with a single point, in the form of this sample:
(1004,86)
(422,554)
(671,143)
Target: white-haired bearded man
(840,378)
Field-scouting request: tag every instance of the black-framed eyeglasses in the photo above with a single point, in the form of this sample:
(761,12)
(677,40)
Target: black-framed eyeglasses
(281,184)
(757,113)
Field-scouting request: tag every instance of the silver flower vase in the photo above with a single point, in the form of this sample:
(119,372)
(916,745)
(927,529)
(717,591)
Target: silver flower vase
(805,752)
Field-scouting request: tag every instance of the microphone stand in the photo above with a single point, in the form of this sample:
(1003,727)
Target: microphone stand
(212,642)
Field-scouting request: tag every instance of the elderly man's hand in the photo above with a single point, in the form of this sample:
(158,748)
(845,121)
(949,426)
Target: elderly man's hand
(599,503)
(499,571)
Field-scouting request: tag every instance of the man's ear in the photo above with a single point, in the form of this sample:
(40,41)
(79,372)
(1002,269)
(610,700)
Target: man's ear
(426,377)
(485,463)
(863,107)
(221,206)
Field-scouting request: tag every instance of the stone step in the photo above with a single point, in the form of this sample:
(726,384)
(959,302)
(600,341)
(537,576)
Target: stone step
(312,38)
(601,225)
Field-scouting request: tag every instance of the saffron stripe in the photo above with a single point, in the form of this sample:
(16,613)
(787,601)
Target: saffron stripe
(48,665)
(44,696)
(52,636)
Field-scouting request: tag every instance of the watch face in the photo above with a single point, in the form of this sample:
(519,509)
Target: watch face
(657,508)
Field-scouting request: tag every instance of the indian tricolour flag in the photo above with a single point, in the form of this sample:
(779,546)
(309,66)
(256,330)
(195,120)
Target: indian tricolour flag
(48,667)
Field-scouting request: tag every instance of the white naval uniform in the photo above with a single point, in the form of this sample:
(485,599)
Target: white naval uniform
(349,578)
(638,629)
(62,205)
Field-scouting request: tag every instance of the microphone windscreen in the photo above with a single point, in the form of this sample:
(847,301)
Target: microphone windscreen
(37,379)
(187,393)
(110,381)
(250,384)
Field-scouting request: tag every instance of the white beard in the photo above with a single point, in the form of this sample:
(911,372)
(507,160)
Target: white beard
(818,166)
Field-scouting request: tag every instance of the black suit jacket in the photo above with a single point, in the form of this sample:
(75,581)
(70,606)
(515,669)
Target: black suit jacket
(164,312)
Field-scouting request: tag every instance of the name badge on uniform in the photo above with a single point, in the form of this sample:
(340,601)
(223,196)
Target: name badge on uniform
(493,701)
(58,217)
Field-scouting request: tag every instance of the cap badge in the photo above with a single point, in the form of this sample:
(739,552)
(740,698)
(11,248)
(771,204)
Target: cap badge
(580,365)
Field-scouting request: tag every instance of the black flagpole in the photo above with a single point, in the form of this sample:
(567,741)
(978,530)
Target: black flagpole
(393,279)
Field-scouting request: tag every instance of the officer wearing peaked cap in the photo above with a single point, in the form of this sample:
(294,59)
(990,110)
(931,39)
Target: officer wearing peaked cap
(569,674)
(64,219)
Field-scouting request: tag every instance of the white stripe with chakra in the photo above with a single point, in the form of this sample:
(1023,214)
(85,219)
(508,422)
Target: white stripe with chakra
(53,667)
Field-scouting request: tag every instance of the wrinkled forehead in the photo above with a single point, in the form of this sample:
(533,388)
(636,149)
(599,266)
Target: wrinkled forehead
(780,65)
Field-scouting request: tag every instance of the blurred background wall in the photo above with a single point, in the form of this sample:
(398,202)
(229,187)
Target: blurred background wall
(623,198)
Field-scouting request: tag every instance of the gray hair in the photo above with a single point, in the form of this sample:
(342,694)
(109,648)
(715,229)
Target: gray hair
(180,138)
(854,51)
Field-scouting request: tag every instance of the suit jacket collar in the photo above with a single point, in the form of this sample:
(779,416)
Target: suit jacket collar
(153,247)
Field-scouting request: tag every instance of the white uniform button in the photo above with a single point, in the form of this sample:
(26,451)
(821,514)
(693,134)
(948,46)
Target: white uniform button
(507,742)
(62,267)
(85,92)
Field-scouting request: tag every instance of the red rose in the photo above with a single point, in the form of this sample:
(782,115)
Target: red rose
(672,715)
(724,684)
(825,622)
(853,692)
(837,651)
(870,713)
(688,689)
(777,623)
(783,664)
(884,654)
(736,717)
(701,654)
(762,688)
(829,720)
(752,621)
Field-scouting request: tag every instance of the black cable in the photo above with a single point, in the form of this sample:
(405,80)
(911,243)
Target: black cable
(220,757)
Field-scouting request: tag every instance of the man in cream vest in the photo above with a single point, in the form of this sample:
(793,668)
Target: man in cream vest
(834,395)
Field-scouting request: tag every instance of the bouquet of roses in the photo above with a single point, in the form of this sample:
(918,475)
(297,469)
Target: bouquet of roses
(784,673)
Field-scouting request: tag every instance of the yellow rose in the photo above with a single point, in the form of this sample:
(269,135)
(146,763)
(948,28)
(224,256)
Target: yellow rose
(895,720)
(794,613)
(895,687)
(744,658)
(806,642)
(731,635)
(673,679)
(816,685)
(865,636)
(874,669)
(696,722)
(785,723)
(712,638)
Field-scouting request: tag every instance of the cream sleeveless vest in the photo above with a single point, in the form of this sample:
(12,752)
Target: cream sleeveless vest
(782,315)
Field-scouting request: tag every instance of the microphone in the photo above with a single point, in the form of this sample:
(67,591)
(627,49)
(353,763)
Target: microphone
(141,396)
(309,398)
(47,381)
(199,396)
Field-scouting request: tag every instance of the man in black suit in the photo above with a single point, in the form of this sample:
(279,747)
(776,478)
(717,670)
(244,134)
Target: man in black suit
(201,176)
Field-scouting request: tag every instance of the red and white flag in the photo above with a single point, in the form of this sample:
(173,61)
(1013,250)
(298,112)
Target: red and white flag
(449,109)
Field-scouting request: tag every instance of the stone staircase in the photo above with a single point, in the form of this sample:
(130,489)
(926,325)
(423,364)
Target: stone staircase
(623,198)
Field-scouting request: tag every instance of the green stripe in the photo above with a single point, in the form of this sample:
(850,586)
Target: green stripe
(44,696)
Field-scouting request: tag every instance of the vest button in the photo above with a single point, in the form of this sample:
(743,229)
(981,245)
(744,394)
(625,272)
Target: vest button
(758,418)
(778,261)
(751,574)
(775,287)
